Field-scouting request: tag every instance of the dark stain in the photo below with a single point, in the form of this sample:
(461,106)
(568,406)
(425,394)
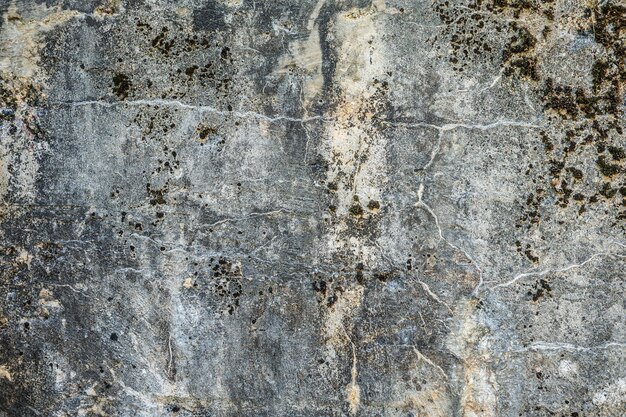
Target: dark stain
(209,18)
(329,55)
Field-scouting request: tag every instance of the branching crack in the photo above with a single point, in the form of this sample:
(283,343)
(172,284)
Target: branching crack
(421,204)
(423,357)
(554,270)
(434,296)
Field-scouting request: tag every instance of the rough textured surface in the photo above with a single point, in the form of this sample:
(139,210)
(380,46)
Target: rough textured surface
(312,208)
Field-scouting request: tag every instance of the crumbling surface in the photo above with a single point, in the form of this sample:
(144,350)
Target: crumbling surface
(312,208)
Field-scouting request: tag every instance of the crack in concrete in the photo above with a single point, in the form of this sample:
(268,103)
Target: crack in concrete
(423,357)
(180,104)
(556,346)
(462,125)
(421,204)
(555,270)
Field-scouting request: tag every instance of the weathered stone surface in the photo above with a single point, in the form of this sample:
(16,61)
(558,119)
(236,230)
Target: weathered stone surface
(312,208)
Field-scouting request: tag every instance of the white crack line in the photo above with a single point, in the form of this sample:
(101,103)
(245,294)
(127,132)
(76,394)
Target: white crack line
(180,104)
(171,357)
(420,204)
(434,152)
(452,126)
(423,357)
(354,387)
(555,270)
(67,286)
(540,346)
(249,216)
(276,118)
(484,87)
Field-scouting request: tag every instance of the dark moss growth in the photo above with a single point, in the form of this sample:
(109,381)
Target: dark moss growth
(224,281)
(383,276)
(559,99)
(513,60)
(359,273)
(356,210)
(191,70)
(556,167)
(161,43)
(526,67)
(541,289)
(531,214)
(598,73)
(522,41)
(607,191)
(16,92)
(607,169)
(205,131)
(157,196)
(617,153)
(373,205)
(606,22)
(576,173)
(320,286)
(121,86)
(225,54)
(547,144)
(530,255)
(565,194)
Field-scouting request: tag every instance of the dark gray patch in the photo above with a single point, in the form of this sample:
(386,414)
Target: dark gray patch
(209,18)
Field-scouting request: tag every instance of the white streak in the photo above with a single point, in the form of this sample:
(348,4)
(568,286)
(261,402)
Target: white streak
(180,104)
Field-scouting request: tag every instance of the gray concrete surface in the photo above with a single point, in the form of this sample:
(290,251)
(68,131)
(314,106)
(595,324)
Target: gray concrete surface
(312,208)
